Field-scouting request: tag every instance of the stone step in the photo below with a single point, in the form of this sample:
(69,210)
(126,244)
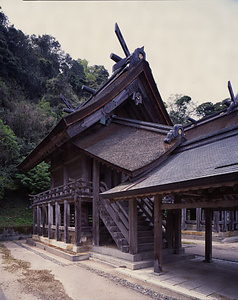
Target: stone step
(57,251)
(145,247)
(122,263)
(125,248)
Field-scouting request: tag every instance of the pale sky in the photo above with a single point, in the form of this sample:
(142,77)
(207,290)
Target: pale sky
(191,45)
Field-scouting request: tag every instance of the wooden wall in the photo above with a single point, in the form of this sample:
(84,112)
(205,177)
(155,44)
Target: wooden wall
(70,163)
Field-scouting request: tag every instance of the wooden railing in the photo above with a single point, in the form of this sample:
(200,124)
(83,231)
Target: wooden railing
(73,189)
(146,205)
(117,212)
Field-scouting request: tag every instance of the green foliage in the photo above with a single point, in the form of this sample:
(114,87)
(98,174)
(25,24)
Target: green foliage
(9,157)
(15,210)
(208,108)
(34,70)
(37,179)
(95,75)
(179,108)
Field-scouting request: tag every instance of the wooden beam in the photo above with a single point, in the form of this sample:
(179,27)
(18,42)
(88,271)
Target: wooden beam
(202,204)
(94,117)
(133,232)
(208,235)
(158,234)
(96,179)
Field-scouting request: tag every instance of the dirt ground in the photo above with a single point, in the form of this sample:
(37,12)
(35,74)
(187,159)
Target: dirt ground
(27,275)
(19,281)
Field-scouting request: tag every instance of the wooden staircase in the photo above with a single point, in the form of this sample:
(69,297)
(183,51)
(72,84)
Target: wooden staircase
(145,225)
(115,217)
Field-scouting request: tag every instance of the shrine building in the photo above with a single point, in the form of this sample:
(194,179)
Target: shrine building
(123,177)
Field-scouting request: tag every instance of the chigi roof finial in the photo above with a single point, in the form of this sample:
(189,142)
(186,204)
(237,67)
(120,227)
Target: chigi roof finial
(131,59)
(234,99)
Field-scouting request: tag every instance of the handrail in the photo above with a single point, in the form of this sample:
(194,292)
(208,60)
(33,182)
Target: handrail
(79,187)
(117,212)
(116,218)
(146,208)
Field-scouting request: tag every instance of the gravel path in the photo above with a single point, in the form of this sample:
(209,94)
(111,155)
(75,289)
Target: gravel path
(37,275)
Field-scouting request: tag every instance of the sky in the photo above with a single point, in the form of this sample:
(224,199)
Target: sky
(191,45)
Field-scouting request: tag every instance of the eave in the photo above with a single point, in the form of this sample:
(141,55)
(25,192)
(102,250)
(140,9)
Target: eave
(172,188)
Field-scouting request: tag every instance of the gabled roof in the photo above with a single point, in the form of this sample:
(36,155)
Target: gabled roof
(208,160)
(117,94)
(127,145)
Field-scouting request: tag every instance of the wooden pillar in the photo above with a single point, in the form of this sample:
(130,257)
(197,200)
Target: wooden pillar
(77,218)
(236,226)
(183,222)
(169,229)
(57,221)
(133,232)
(216,215)
(44,220)
(231,220)
(50,220)
(224,221)
(208,235)
(65,175)
(158,234)
(198,218)
(96,182)
(177,232)
(66,221)
(38,220)
(34,220)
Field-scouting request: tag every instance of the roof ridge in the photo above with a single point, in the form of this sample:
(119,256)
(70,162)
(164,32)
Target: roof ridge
(209,138)
(209,118)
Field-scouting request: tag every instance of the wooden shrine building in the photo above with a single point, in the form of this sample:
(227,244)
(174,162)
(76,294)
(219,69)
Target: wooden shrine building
(121,173)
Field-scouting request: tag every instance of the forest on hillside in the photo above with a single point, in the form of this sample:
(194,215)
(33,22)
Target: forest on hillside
(34,71)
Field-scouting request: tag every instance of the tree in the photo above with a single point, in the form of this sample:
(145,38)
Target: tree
(34,70)
(179,108)
(31,123)
(95,75)
(36,180)
(208,108)
(9,157)
(76,76)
